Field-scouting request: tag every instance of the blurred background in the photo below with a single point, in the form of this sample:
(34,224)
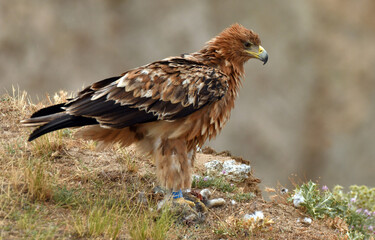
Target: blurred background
(309,111)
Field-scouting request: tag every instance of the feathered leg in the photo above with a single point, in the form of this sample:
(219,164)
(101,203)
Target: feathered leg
(173,167)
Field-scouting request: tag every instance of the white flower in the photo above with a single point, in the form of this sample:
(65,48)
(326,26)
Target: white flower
(298,199)
(257,215)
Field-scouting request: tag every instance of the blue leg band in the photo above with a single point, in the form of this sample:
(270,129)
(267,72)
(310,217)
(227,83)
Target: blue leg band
(177,194)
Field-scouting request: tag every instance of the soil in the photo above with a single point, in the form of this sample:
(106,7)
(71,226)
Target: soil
(281,219)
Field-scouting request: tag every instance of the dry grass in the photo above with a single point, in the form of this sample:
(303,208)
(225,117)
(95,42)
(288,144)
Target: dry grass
(99,221)
(60,187)
(38,180)
(146,224)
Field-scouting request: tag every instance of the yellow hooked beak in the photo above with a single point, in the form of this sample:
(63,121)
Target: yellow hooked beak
(262,54)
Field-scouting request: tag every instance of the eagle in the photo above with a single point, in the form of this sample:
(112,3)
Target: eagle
(167,108)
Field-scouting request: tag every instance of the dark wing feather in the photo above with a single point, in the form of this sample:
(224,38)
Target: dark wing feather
(164,90)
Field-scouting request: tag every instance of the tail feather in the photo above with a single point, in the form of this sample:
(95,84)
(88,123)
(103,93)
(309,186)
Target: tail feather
(61,122)
(49,110)
(53,118)
(38,121)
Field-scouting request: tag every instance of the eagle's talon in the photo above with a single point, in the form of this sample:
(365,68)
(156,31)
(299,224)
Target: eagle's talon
(183,201)
(196,200)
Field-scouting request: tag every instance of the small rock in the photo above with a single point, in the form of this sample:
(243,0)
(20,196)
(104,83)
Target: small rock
(307,220)
(233,202)
(217,202)
(284,191)
(257,215)
(206,193)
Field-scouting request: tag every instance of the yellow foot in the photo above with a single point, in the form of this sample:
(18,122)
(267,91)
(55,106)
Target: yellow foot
(188,200)
(183,201)
(187,207)
(198,205)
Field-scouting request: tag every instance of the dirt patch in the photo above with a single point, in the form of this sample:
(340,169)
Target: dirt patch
(77,165)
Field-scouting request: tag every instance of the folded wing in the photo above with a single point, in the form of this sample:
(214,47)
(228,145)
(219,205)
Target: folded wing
(166,90)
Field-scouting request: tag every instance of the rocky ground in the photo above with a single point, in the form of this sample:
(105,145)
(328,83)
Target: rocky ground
(60,187)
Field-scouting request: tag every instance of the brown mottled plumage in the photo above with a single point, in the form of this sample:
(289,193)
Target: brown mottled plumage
(167,108)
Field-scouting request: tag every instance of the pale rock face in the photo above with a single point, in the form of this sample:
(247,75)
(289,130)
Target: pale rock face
(236,172)
(230,169)
(213,167)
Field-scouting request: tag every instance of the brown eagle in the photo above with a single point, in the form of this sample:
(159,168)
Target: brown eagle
(167,108)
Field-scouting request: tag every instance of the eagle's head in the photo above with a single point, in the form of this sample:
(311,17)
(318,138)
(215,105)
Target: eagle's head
(238,44)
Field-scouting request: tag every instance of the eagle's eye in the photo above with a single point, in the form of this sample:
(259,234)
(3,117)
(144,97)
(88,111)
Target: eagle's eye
(247,44)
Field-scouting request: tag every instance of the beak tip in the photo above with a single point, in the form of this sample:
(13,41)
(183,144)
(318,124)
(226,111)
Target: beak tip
(265,60)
